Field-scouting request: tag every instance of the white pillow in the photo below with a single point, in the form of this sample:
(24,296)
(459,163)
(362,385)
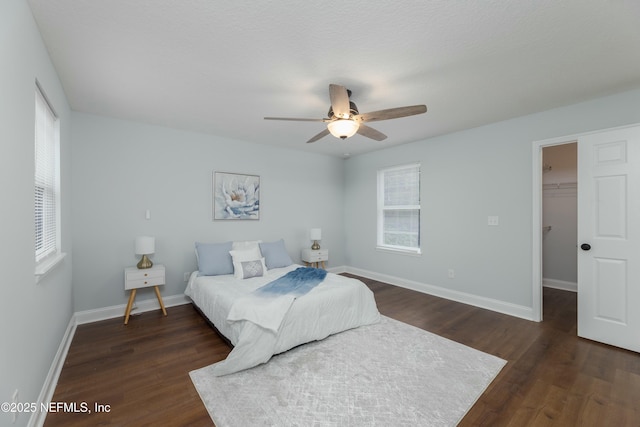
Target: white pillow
(250,254)
(248,263)
(243,246)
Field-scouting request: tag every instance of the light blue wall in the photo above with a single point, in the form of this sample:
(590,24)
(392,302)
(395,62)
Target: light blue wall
(467,176)
(33,317)
(122,168)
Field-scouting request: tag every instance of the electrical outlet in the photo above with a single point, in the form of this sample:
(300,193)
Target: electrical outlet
(452,273)
(186,276)
(493,220)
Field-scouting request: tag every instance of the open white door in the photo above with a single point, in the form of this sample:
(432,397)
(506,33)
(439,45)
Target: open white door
(609,237)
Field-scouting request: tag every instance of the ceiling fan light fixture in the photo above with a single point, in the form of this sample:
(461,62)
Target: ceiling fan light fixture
(343,128)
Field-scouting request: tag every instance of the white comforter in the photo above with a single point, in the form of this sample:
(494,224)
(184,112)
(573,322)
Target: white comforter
(337,304)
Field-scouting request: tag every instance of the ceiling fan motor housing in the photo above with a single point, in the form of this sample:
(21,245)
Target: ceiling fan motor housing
(353,110)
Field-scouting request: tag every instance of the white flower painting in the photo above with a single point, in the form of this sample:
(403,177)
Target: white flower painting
(236,196)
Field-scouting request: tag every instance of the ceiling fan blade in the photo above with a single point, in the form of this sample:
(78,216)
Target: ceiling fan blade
(370,132)
(318,136)
(339,101)
(391,113)
(296,120)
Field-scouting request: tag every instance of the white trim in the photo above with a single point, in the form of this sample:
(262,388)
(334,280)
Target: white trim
(46,265)
(400,250)
(49,387)
(560,284)
(477,301)
(536,228)
(98,314)
(337,270)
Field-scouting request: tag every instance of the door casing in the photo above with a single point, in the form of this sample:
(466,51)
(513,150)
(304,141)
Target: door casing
(536,253)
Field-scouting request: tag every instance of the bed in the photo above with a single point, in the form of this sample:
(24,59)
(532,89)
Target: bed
(336,304)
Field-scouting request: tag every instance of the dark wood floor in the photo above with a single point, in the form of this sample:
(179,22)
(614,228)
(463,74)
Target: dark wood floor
(551,378)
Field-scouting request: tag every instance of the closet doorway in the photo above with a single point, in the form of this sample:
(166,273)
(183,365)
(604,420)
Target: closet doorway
(560,216)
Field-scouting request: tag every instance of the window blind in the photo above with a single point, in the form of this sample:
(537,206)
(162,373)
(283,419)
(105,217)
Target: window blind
(45,210)
(399,208)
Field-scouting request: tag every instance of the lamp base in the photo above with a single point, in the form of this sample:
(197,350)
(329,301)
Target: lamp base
(145,262)
(315,245)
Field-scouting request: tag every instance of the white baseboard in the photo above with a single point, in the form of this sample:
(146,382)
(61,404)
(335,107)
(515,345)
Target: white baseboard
(338,270)
(477,301)
(46,394)
(89,316)
(560,284)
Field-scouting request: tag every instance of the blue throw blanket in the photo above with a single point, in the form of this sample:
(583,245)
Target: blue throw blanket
(268,305)
(297,282)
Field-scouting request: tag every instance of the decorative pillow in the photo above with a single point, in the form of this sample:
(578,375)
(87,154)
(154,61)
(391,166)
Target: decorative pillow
(248,269)
(246,254)
(214,258)
(248,263)
(275,254)
(245,245)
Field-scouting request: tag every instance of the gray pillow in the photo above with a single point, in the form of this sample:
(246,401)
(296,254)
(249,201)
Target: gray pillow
(251,269)
(214,258)
(275,254)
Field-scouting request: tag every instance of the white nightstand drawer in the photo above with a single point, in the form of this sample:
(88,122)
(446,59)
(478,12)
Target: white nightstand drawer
(143,283)
(309,255)
(141,278)
(144,274)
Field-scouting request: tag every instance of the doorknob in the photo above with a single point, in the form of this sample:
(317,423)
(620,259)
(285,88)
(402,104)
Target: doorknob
(585,246)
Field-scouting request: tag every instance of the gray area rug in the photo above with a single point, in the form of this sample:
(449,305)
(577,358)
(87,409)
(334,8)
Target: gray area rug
(387,374)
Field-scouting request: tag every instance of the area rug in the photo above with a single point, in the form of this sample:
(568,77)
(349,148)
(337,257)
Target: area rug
(387,374)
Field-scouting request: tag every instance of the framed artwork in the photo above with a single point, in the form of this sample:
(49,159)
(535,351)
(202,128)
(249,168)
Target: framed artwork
(236,196)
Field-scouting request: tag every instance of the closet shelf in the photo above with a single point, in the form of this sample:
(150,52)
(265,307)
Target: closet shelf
(560,186)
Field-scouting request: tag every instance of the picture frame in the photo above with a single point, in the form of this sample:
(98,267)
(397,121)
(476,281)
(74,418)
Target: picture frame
(236,196)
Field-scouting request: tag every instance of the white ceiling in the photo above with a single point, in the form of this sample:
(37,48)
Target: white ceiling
(220,66)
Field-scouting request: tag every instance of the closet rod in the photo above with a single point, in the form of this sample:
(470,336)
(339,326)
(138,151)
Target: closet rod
(560,185)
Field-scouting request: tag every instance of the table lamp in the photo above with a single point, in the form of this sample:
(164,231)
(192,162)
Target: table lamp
(315,234)
(145,245)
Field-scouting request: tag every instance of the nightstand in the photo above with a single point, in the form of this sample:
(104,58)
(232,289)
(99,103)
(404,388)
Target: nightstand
(135,278)
(311,257)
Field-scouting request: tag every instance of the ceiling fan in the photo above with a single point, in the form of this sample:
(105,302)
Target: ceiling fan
(344,120)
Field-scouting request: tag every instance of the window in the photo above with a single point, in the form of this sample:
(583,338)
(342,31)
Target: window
(47,200)
(399,208)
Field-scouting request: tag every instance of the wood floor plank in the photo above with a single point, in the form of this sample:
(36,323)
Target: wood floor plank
(552,378)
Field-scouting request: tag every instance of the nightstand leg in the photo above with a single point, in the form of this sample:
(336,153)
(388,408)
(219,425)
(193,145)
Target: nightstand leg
(323,266)
(129,304)
(160,300)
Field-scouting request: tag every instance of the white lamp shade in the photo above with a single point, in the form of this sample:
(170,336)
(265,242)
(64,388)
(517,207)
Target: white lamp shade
(315,234)
(343,128)
(145,245)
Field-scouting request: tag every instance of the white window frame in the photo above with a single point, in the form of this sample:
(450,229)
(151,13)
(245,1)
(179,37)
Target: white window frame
(381,208)
(47,244)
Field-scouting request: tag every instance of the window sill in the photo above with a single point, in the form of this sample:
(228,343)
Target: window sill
(48,264)
(409,252)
